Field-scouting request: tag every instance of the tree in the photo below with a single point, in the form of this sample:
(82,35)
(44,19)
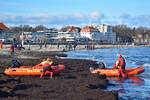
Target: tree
(40,28)
(124,33)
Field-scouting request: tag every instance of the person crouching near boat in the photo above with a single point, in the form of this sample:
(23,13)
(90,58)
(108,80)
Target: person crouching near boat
(47,66)
(120,64)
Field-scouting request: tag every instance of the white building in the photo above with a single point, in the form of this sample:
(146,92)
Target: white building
(107,31)
(27,35)
(51,36)
(70,35)
(91,33)
(103,32)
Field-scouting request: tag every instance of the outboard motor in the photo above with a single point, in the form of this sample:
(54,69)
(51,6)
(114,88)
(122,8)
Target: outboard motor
(91,69)
(101,65)
(15,63)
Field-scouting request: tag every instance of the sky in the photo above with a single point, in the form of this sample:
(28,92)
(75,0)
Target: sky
(55,13)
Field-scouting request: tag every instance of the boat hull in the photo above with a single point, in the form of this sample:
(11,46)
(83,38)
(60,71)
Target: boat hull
(115,72)
(31,71)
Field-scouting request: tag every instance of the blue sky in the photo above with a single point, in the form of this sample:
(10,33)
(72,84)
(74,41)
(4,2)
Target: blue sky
(53,13)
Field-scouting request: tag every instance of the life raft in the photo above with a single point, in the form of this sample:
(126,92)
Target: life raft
(24,71)
(115,72)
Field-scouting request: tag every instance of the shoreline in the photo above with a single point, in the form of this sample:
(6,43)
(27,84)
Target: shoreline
(75,82)
(62,47)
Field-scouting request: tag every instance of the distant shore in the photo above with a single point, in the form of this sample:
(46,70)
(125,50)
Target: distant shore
(63,47)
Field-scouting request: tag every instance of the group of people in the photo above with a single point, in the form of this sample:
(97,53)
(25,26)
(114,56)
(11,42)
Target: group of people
(48,64)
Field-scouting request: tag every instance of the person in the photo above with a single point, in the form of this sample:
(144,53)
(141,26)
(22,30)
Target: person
(40,44)
(1,45)
(47,66)
(45,44)
(120,64)
(12,49)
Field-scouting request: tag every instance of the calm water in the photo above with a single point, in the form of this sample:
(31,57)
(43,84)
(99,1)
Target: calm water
(132,88)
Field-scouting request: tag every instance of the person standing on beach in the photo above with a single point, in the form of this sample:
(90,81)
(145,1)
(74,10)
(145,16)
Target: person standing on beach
(74,46)
(45,44)
(1,45)
(120,64)
(12,49)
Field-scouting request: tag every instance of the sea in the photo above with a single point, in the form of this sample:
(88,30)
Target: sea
(132,88)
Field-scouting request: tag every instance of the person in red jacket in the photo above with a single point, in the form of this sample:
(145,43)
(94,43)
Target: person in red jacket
(47,67)
(12,49)
(120,64)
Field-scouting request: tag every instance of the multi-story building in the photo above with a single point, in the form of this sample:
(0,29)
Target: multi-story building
(90,33)
(72,34)
(4,32)
(104,32)
(27,35)
(51,36)
(108,33)
(103,28)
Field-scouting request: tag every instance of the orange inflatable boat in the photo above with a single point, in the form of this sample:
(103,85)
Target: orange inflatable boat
(31,71)
(115,72)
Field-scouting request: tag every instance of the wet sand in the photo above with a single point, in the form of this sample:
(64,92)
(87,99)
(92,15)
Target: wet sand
(74,83)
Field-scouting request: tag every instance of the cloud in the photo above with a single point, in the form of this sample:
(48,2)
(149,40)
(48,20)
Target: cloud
(96,15)
(125,16)
(78,19)
(141,20)
(135,21)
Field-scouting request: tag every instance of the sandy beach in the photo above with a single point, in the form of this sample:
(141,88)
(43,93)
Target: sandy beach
(74,83)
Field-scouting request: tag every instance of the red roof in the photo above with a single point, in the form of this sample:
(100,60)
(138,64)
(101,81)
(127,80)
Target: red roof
(70,29)
(88,29)
(3,27)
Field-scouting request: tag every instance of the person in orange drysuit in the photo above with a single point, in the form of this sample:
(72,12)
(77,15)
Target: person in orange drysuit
(47,66)
(120,64)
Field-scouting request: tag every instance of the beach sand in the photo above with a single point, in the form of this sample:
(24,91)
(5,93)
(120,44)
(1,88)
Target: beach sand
(74,83)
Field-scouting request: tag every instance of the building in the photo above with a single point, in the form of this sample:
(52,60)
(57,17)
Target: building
(71,35)
(108,33)
(4,32)
(103,28)
(41,36)
(103,32)
(27,35)
(51,36)
(90,33)
(3,27)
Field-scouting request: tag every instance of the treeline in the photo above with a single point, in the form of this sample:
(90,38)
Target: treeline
(28,28)
(124,33)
